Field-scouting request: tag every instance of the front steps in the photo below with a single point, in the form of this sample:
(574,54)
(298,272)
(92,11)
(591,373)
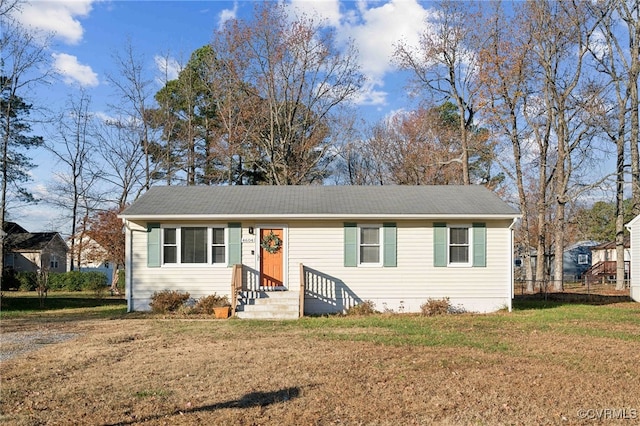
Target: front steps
(268,305)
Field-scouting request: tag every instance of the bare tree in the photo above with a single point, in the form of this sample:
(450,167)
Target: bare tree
(505,76)
(21,63)
(615,61)
(629,11)
(295,78)
(135,89)
(73,147)
(121,160)
(444,64)
(561,34)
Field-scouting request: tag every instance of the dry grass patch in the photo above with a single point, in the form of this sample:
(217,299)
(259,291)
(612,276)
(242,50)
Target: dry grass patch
(525,367)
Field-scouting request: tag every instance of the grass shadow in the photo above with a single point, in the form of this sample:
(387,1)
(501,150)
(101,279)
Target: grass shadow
(553,300)
(52,302)
(249,400)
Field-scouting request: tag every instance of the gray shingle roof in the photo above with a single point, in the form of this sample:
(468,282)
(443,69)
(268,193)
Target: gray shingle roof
(318,201)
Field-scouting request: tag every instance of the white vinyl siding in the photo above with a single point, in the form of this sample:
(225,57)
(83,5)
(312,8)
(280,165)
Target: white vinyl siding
(333,287)
(198,280)
(635,258)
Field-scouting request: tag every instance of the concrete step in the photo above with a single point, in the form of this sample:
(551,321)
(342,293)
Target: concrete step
(268,305)
(267,315)
(268,308)
(269,295)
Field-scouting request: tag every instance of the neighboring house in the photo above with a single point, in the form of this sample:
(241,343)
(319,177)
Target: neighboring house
(397,246)
(92,257)
(576,260)
(31,251)
(603,261)
(634,228)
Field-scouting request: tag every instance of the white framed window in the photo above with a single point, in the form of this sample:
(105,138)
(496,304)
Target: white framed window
(583,259)
(194,245)
(459,245)
(169,245)
(218,246)
(370,245)
(53,262)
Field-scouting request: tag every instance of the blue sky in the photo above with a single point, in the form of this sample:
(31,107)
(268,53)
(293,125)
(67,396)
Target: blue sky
(87,34)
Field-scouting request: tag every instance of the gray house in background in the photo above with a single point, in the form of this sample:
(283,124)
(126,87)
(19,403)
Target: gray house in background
(31,251)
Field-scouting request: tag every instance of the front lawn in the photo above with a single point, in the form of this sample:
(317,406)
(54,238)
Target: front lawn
(544,363)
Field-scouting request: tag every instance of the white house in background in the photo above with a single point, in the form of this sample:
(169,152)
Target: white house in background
(634,228)
(95,262)
(397,246)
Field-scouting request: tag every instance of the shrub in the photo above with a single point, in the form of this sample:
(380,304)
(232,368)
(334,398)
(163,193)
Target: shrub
(436,307)
(77,281)
(365,308)
(72,281)
(167,301)
(56,281)
(93,280)
(27,281)
(206,304)
(9,280)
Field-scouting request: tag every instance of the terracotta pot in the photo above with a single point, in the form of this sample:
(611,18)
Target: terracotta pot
(222,312)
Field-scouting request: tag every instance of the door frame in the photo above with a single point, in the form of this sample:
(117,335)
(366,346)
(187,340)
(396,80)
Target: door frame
(285,252)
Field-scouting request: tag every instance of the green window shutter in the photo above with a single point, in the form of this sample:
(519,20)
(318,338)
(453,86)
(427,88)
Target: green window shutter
(153,245)
(350,244)
(439,244)
(479,244)
(390,257)
(235,243)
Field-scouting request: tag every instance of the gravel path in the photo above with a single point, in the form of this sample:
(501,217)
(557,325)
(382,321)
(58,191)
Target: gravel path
(13,344)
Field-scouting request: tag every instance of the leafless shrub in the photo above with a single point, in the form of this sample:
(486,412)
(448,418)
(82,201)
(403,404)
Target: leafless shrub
(367,307)
(434,307)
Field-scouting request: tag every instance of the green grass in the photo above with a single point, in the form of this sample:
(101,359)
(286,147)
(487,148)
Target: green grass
(486,332)
(25,304)
(618,321)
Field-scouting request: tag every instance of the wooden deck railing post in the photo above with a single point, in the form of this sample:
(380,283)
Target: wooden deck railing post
(236,285)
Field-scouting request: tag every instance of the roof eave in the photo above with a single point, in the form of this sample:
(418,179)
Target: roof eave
(196,217)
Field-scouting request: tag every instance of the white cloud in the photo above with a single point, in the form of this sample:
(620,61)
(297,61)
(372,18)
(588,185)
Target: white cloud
(376,30)
(57,17)
(227,15)
(74,72)
(169,68)
(328,10)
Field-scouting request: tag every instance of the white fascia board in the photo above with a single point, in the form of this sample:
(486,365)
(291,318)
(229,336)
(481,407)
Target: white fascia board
(632,222)
(262,217)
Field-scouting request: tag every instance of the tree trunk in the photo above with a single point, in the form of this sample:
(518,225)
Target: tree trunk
(114,278)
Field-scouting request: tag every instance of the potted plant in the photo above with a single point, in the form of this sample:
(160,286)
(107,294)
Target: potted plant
(219,306)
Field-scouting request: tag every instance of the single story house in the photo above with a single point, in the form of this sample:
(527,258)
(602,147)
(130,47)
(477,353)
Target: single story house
(326,248)
(634,228)
(603,261)
(33,251)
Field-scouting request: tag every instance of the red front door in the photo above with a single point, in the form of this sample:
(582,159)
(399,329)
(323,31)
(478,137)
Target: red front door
(271,258)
